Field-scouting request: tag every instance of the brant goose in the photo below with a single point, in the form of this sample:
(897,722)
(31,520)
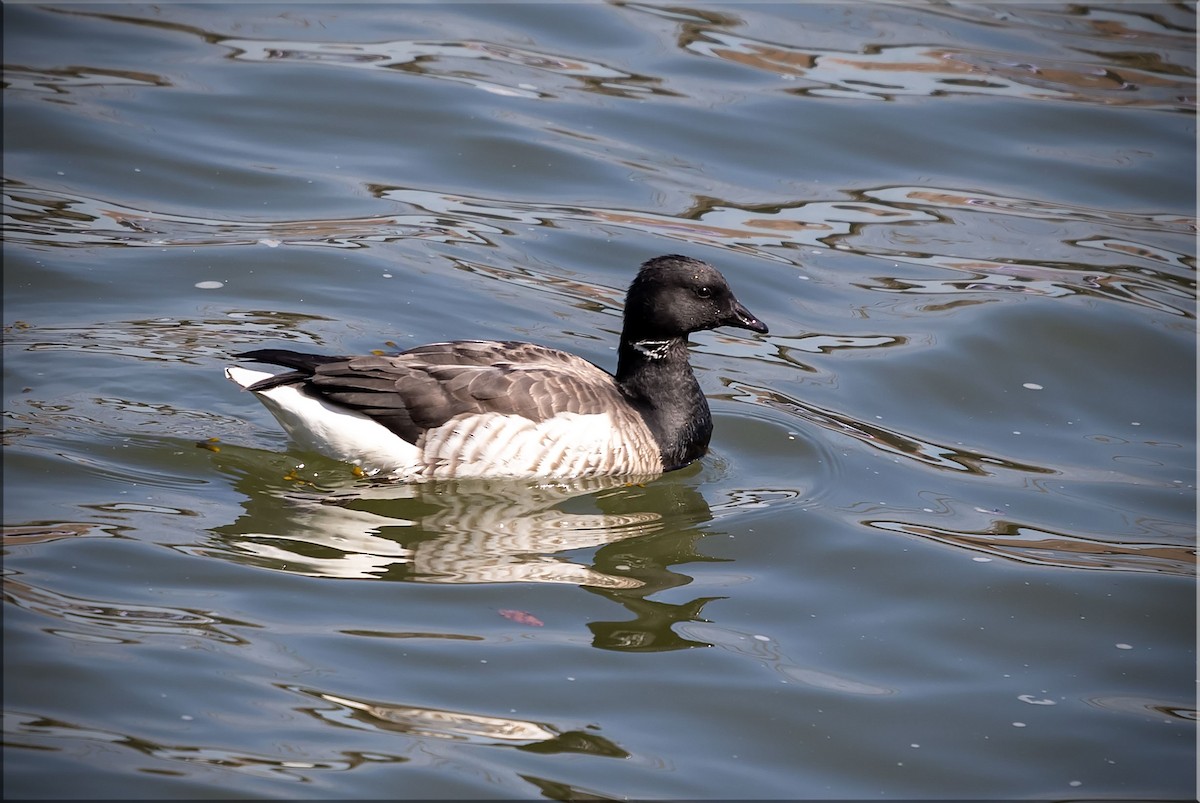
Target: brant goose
(481,408)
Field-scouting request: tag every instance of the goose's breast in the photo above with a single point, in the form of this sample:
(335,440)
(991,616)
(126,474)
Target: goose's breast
(563,445)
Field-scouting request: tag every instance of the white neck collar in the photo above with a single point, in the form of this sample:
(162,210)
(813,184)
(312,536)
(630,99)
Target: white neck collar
(653,349)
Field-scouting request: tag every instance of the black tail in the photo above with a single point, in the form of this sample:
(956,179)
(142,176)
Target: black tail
(302,364)
(296,360)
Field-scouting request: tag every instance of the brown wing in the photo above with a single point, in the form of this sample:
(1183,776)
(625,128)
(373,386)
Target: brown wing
(427,386)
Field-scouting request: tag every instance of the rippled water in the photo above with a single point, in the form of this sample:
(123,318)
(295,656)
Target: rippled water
(943,546)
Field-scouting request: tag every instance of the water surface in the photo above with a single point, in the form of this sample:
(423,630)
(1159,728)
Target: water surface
(943,545)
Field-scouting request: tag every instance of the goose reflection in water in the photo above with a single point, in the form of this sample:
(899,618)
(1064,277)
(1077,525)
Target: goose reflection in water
(506,533)
(484,531)
(467,531)
(456,725)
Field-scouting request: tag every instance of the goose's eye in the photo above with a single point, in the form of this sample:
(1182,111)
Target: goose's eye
(704,292)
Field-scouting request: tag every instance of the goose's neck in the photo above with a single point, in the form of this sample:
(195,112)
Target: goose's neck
(656,378)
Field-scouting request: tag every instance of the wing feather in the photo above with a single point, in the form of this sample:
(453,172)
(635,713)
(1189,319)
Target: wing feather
(425,387)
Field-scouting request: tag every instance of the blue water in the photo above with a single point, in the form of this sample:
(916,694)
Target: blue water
(943,545)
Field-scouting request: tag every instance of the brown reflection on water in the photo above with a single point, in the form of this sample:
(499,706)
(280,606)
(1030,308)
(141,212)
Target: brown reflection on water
(64,81)
(31,534)
(52,218)
(116,622)
(496,68)
(1122,57)
(946,199)
(1140,289)
(1026,544)
(882,438)
(424,722)
(35,732)
(1151,264)
(189,341)
(1135,74)
(750,228)
(1171,712)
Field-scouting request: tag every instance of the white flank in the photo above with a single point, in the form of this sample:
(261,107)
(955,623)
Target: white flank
(337,432)
(476,445)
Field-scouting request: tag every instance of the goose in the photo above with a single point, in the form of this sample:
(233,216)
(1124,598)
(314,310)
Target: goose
(488,408)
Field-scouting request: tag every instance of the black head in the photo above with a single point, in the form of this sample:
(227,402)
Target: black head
(673,296)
